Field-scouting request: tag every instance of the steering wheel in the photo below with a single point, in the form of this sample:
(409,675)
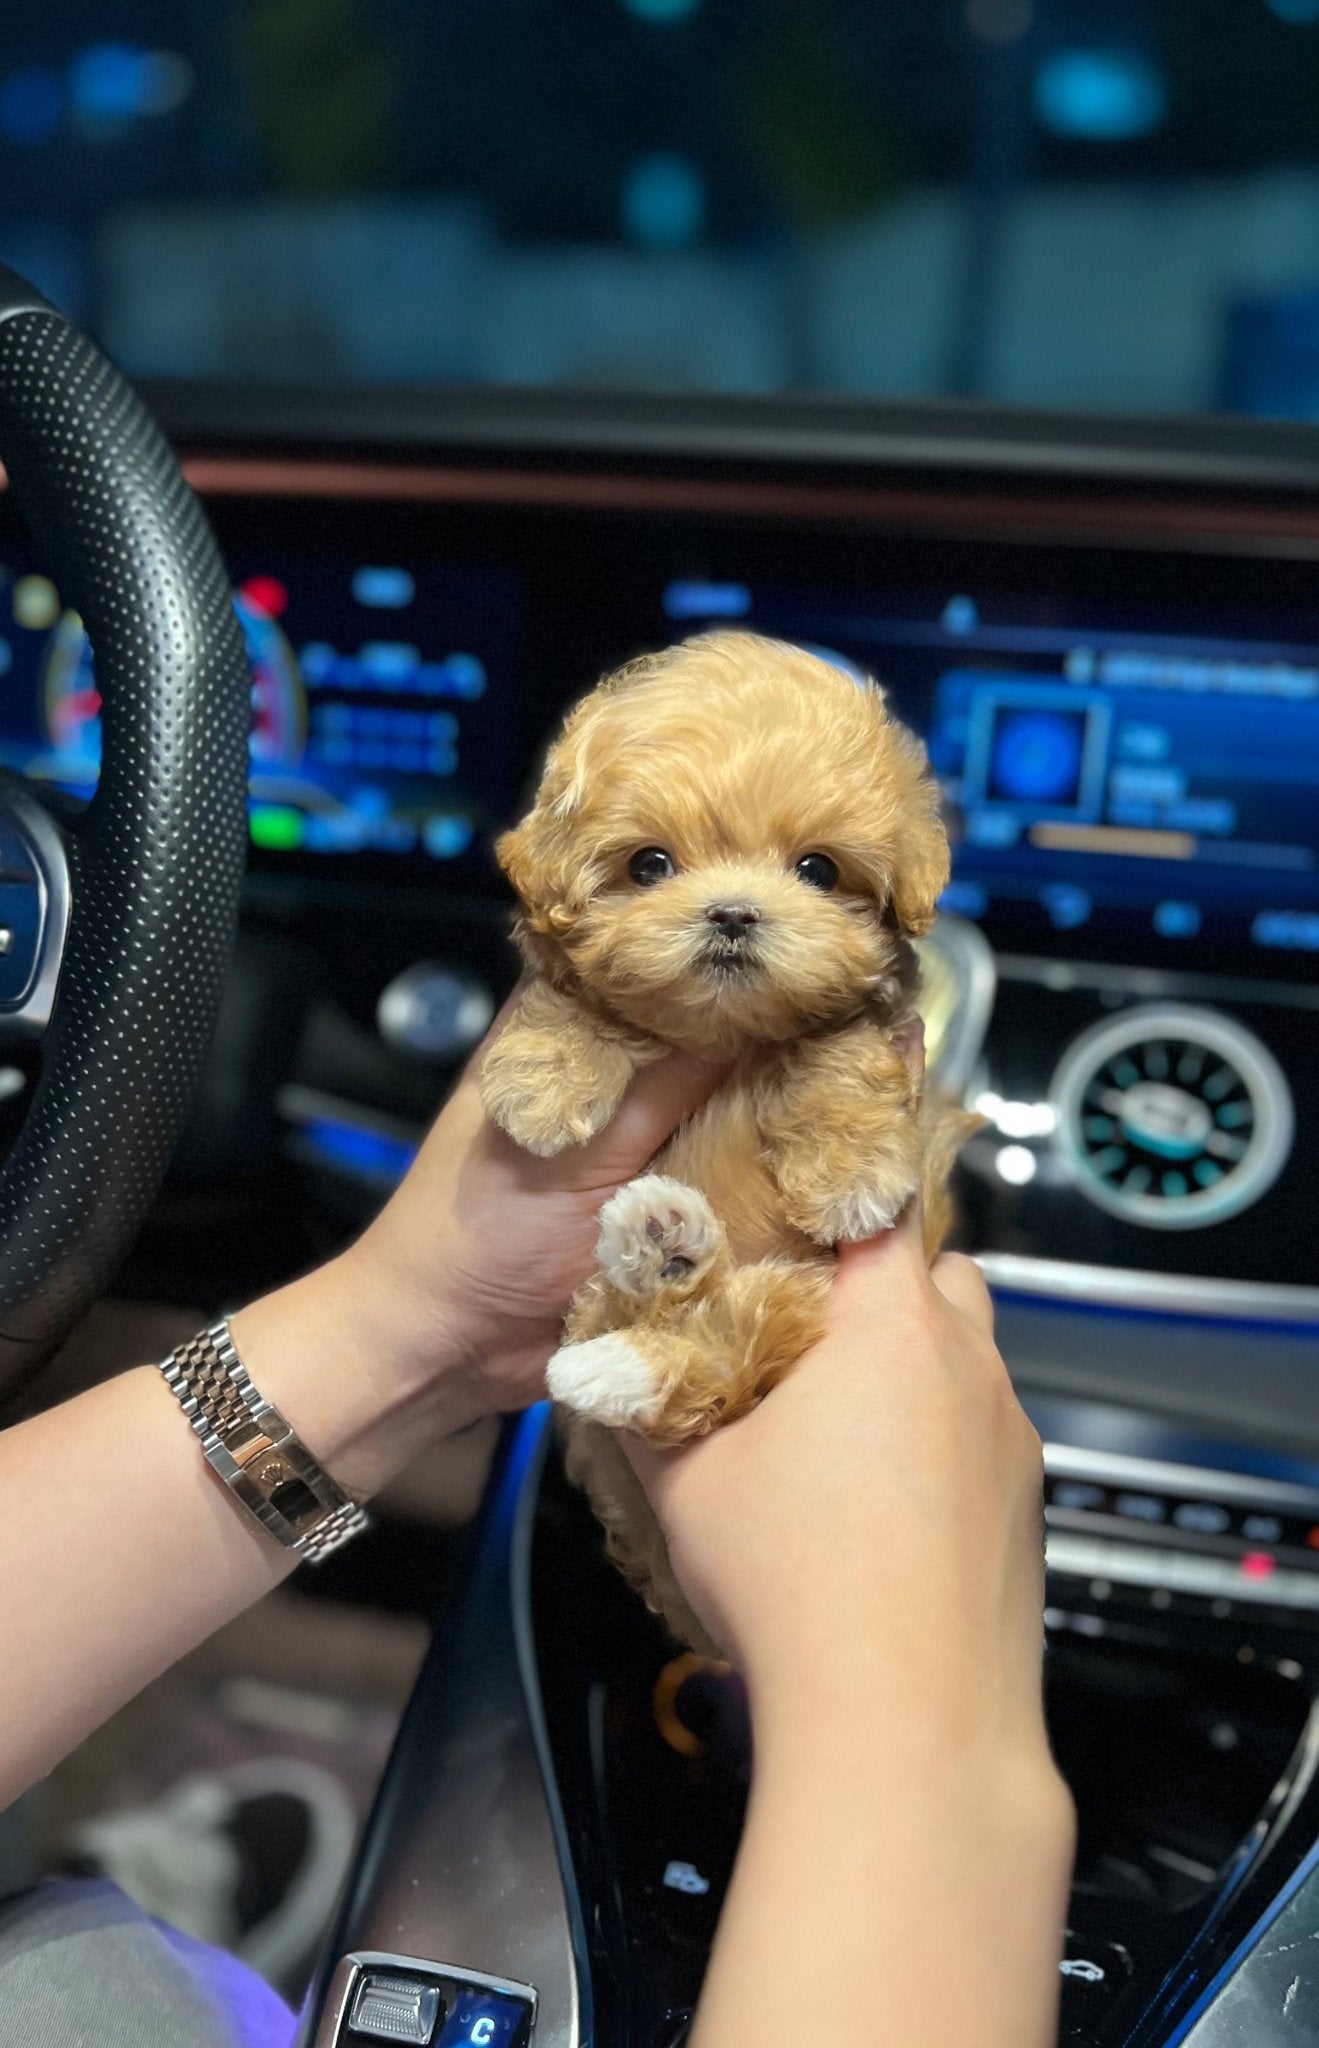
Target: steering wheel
(116,923)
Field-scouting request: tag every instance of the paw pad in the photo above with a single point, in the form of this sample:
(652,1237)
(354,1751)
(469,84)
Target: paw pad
(656,1233)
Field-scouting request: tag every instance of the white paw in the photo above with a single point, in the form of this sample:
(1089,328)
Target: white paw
(657,1233)
(866,1210)
(607,1379)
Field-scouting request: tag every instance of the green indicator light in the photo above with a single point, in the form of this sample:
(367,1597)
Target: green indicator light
(276,825)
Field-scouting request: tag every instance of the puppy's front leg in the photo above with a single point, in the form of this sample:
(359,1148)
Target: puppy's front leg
(556,1074)
(840,1120)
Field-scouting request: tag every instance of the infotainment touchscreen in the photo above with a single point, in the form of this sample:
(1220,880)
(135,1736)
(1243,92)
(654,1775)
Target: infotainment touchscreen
(380,701)
(1148,770)
(1125,778)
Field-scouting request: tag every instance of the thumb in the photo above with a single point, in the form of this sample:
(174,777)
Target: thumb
(657,1101)
(895,1257)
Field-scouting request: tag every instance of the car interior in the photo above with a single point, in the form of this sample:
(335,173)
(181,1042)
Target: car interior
(1105,626)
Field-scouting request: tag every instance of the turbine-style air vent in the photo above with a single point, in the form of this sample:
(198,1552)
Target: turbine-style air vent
(1172,1116)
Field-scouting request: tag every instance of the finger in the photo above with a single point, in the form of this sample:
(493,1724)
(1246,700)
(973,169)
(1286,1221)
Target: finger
(893,1258)
(961,1282)
(655,1470)
(656,1102)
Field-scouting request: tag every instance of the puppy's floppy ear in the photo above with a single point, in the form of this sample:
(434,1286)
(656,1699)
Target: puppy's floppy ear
(535,857)
(540,856)
(920,849)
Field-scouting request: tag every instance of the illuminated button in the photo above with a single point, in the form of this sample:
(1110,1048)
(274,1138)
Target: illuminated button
(1075,1494)
(1257,1564)
(1093,1973)
(486,2019)
(1141,1507)
(1173,920)
(266,595)
(277,826)
(36,603)
(1313,1538)
(385,588)
(1262,1529)
(1205,1517)
(445,836)
(390,2008)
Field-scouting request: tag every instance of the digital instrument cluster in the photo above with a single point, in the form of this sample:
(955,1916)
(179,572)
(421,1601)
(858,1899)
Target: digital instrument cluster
(1124,778)
(380,702)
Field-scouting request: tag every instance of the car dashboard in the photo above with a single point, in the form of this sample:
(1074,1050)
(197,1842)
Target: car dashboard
(1110,643)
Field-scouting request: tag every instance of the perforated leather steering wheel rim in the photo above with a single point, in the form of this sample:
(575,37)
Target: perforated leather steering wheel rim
(154,864)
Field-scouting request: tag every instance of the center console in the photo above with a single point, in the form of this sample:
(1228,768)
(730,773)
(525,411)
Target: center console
(567,1795)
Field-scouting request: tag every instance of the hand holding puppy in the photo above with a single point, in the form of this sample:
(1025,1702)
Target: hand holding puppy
(732,846)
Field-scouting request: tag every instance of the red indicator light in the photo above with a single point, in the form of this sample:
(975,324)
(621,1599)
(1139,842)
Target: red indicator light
(266,594)
(1313,1538)
(1257,1564)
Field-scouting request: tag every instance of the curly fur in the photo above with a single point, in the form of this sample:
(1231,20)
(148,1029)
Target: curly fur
(737,756)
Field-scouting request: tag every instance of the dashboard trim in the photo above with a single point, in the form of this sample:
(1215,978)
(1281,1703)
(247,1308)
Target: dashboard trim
(1109,520)
(817,431)
(1153,983)
(1079,1286)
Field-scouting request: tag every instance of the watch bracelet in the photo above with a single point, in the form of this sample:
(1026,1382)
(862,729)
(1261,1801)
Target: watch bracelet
(256,1454)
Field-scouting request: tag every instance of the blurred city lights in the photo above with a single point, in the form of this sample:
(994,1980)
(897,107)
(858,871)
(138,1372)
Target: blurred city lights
(1000,21)
(105,82)
(663,201)
(662,10)
(167,78)
(111,84)
(1100,95)
(31,105)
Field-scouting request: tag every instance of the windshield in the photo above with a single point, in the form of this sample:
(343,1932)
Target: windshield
(1103,204)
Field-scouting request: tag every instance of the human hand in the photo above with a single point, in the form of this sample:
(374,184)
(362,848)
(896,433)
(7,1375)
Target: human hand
(872,1533)
(472,1263)
(867,1544)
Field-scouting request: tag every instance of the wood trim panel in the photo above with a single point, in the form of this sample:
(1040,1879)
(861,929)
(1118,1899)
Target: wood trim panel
(1096,517)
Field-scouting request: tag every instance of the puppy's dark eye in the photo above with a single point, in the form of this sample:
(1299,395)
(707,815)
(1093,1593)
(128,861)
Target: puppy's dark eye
(649,866)
(818,870)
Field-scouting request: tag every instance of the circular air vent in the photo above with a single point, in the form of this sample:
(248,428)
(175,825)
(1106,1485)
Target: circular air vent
(1172,1116)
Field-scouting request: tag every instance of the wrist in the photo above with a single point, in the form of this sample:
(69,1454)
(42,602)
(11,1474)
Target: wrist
(363,1378)
(866,1723)
(995,1798)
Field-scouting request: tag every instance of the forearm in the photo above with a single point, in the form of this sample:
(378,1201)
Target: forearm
(121,1550)
(916,1894)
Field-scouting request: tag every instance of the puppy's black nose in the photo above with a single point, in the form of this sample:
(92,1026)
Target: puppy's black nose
(733,921)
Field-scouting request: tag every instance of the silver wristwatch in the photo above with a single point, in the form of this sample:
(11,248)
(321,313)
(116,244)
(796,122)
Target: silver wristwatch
(255,1452)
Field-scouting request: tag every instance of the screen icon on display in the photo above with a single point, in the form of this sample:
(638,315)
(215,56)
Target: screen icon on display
(1037,751)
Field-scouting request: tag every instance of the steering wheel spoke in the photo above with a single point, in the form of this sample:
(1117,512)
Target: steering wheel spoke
(35,900)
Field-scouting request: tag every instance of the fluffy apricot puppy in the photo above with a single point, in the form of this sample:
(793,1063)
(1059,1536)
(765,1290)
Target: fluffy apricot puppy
(731,847)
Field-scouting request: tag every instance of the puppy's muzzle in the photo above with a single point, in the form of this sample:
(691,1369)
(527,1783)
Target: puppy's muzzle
(733,927)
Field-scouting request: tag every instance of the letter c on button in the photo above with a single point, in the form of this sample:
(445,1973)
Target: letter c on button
(482,2033)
